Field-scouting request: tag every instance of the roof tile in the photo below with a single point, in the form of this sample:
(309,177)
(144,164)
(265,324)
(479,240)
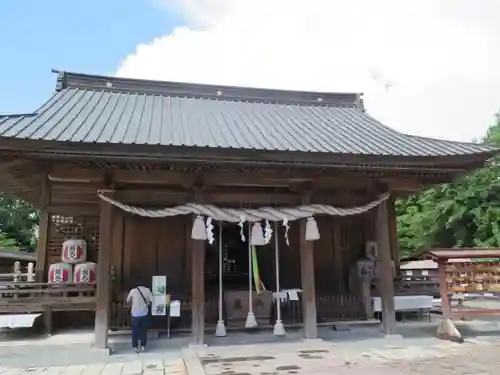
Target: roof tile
(98,115)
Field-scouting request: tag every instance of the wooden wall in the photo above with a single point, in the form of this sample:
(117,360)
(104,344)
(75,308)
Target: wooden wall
(143,247)
(62,228)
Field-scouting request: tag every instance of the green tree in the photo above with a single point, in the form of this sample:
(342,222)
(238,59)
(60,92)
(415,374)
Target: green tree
(7,243)
(465,213)
(17,222)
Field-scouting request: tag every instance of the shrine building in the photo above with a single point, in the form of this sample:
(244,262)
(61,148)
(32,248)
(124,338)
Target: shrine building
(162,178)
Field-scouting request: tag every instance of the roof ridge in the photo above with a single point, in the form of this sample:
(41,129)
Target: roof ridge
(206,91)
(11,115)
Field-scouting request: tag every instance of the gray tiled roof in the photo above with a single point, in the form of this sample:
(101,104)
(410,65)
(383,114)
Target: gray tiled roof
(122,111)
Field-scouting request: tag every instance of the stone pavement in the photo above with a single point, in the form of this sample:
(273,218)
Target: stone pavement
(70,353)
(130,367)
(353,352)
(374,357)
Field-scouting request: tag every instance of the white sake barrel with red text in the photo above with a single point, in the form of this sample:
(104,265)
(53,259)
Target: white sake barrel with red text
(60,273)
(74,251)
(84,272)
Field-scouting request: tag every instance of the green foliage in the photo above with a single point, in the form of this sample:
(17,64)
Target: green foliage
(18,220)
(7,243)
(465,213)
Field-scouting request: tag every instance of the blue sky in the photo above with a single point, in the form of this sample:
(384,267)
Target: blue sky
(90,36)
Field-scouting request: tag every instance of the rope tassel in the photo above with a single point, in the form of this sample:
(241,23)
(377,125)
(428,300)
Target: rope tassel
(257,238)
(312,231)
(199,231)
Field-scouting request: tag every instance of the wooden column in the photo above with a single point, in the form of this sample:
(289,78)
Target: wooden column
(103,292)
(393,233)
(198,291)
(43,234)
(307,275)
(385,277)
(443,289)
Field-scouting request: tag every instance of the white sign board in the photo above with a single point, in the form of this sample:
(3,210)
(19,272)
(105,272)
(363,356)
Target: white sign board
(159,285)
(175,308)
(158,307)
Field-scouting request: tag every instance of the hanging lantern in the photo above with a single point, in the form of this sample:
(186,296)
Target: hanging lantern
(74,251)
(85,273)
(199,232)
(312,232)
(257,238)
(60,273)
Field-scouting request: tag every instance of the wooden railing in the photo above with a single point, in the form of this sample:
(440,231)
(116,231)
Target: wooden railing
(410,285)
(23,297)
(340,307)
(330,308)
(120,316)
(17,274)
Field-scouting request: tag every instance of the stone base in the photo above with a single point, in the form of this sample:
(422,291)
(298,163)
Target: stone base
(448,331)
(107,351)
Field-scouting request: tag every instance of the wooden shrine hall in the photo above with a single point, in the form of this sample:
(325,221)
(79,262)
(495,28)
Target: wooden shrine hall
(165,178)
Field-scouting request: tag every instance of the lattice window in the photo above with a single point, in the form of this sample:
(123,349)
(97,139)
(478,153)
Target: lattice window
(62,228)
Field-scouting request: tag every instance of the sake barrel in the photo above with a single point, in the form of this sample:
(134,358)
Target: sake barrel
(74,251)
(84,272)
(60,273)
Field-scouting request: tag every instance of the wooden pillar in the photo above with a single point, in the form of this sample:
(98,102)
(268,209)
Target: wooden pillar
(103,292)
(385,277)
(393,233)
(443,289)
(198,291)
(43,234)
(307,275)
(41,246)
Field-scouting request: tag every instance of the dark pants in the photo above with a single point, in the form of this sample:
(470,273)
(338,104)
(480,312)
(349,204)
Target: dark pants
(139,331)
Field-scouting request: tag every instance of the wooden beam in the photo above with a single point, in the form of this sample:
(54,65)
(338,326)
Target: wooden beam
(73,209)
(157,177)
(11,164)
(276,178)
(385,277)
(62,173)
(103,292)
(307,276)
(165,197)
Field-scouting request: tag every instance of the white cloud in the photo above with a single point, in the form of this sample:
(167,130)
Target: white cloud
(427,67)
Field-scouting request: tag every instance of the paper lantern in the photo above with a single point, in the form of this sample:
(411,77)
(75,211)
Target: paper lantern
(74,251)
(84,272)
(60,273)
